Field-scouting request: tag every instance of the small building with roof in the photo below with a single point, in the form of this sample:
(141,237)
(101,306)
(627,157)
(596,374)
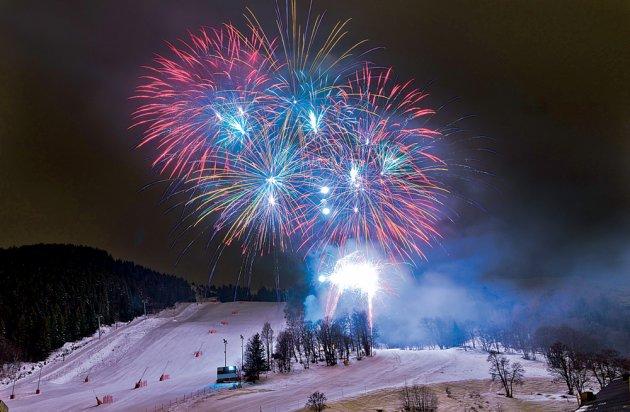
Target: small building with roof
(613,397)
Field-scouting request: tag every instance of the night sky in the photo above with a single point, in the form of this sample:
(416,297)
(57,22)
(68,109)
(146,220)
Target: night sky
(544,87)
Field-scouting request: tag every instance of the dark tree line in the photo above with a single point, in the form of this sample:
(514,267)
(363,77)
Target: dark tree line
(445,333)
(51,294)
(511,322)
(231,293)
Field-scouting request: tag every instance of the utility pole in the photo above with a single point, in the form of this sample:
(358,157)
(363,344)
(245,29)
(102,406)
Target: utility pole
(98,317)
(144,304)
(225,351)
(242,352)
(37,391)
(13,389)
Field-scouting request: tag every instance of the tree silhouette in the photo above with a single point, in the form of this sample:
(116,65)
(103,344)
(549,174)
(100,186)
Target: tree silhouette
(254,358)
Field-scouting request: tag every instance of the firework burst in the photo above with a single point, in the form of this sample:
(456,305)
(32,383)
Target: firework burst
(376,180)
(253,195)
(289,139)
(212,92)
(354,272)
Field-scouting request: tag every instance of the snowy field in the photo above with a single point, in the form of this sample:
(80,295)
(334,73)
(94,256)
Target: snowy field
(117,361)
(386,369)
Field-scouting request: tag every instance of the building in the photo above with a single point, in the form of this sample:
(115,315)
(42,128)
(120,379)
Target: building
(227,374)
(613,397)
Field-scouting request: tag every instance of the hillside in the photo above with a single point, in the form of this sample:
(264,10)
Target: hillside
(116,361)
(51,294)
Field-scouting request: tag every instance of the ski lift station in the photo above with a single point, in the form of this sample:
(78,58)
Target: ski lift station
(227,374)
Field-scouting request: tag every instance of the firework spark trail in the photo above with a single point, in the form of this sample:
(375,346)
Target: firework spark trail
(286,141)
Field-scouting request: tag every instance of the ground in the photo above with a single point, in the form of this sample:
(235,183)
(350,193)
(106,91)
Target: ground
(536,394)
(117,361)
(369,385)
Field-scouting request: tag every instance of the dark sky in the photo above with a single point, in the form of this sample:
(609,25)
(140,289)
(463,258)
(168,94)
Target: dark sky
(547,82)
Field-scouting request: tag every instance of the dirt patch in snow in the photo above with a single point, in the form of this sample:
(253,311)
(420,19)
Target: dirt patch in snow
(536,394)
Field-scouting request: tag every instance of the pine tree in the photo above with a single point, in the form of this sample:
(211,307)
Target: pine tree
(50,294)
(254,358)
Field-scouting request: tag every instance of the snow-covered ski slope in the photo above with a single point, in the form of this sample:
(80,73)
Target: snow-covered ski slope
(388,368)
(116,362)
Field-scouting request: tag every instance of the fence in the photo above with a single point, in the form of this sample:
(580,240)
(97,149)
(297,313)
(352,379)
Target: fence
(275,406)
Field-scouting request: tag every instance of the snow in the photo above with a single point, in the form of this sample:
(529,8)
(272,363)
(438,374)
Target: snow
(544,397)
(116,362)
(388,368)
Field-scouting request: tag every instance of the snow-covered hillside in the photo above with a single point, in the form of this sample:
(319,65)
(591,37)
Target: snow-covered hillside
(116,362)
(388,368)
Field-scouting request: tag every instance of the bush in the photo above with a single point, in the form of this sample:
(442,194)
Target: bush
(316,402)
(418,399)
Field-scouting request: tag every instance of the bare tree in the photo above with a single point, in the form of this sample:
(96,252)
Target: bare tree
(294,315)
(605,366)
(567,351)
(360,327)
(316,402)
(267,336)
(519,338)
(417,398)
(568,365)
(309,343)
(326,338)
(559,365)
(509,374)
(489,338)
(284,347)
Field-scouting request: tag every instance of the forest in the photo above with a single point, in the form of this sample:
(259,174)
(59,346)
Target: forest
(233,293)
(51,294)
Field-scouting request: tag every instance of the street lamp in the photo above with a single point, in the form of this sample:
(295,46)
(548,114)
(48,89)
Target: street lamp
(98,317)
(225,351)
(242,357)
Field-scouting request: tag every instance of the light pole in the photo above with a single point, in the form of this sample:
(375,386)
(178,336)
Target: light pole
(98,317)
(13,389)
(37,391)
(225,351)
(242,357)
